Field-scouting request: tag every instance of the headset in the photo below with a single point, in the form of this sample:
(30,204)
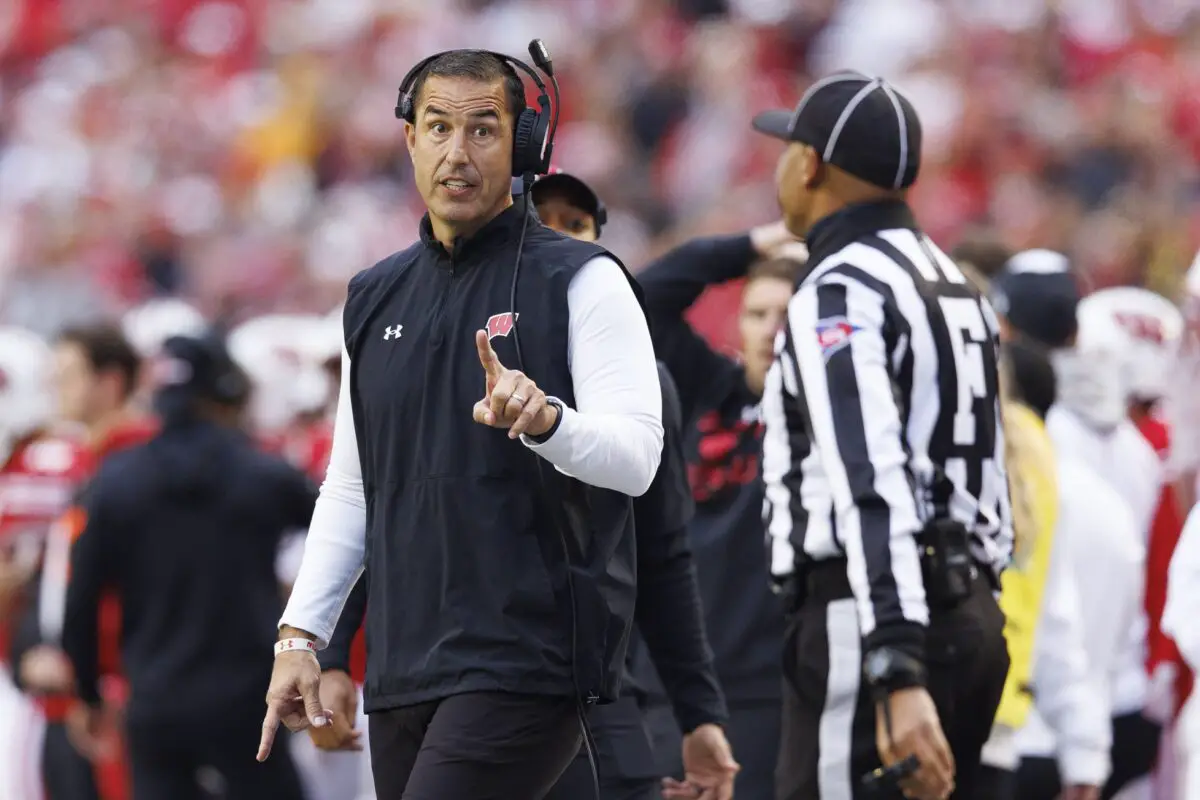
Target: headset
(533,145)
(533,134)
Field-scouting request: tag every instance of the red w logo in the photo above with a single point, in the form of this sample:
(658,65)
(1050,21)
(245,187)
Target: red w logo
(501,324)
(1140,326)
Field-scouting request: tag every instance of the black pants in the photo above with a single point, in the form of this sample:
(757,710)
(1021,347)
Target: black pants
(624,758)
(1135,742)
(828,740)
(481,745)
(166,759)
(753,733)
(67,774)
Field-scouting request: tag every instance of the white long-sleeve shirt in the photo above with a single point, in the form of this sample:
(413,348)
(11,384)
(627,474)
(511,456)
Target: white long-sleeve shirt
(612,439)
(1089,612)
(1181,616)
(1133,470)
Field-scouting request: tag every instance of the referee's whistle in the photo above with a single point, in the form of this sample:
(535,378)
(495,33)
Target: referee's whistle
(890,777)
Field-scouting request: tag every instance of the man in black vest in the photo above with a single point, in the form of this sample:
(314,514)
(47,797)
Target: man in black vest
(492,512)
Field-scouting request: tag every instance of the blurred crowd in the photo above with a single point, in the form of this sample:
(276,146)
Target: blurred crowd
(243,155)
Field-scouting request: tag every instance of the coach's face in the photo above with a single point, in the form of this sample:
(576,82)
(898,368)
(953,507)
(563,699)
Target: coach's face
(796,175)
(461,150)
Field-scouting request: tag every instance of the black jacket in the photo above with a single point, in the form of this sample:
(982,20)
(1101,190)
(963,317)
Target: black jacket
(724,446)
(668,614)
(469,533)
(185,529)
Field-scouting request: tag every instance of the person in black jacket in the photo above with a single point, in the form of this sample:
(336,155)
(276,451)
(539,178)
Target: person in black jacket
(499,408)
(184,530)
(668,614)
(720,397)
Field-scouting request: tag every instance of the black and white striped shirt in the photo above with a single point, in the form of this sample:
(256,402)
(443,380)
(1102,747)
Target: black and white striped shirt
(882,411)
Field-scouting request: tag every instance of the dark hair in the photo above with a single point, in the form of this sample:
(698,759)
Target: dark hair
(106,349)
(1034,381)
(478,65)
(784,269)
(984,252)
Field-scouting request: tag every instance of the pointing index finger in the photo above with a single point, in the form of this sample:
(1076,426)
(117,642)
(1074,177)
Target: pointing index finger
(270,726)
(487,356)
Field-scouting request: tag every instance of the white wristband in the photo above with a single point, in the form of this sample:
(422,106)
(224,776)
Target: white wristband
(289,645)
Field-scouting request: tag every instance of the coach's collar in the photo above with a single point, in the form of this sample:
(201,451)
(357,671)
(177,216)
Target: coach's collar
(848,224)
(504,227)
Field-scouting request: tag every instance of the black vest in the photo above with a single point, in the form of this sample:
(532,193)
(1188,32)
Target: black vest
(469,533)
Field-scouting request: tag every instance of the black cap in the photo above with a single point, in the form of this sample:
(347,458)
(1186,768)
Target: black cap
(577,190)
(1038,294)
(859,124)
(191,368)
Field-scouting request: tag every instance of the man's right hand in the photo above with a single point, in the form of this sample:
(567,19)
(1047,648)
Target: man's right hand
(294,698)
(339,694)
(916,731)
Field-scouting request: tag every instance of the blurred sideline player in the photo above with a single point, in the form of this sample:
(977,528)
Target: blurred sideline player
(285,356)
(96,373)
(721,397)
(1153,327)
(1088,423)
(1040,593)
(39,473)
(148,326)
(1180,620)
(197,514)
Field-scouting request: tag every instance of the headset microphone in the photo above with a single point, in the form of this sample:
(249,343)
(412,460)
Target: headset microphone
(541,59)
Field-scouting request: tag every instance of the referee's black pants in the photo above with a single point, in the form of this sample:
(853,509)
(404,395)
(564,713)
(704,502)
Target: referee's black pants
(478,745)
(828,740)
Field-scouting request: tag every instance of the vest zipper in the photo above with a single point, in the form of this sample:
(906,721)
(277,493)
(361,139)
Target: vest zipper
(439,334)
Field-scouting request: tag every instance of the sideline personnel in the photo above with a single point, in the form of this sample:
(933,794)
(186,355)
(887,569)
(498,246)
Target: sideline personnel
(884,464)
(721,398)
(184,530)
(668,610)
(501,587)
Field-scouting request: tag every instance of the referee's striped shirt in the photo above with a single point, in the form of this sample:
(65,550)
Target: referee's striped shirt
(882,410)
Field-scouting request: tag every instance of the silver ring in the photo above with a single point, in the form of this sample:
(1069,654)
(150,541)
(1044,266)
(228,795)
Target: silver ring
(516,397)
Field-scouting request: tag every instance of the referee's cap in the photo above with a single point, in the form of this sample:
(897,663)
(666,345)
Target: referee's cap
(859,124)
(1038,294)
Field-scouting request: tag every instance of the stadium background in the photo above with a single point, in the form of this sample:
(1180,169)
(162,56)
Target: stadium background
(243,153)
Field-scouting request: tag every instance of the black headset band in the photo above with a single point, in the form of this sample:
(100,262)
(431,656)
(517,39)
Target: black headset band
(406,85)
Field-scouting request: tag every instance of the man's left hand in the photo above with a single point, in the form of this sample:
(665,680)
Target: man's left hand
(510,399)
(708,765)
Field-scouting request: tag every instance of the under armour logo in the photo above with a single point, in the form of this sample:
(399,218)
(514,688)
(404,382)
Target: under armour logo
(392,332)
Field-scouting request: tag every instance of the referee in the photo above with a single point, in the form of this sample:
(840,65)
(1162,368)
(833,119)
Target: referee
(887,505)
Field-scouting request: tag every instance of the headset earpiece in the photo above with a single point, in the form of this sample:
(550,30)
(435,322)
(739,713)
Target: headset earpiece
(525,153)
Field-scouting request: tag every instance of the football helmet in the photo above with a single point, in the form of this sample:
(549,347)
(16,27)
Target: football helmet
(277,353)
(26,393)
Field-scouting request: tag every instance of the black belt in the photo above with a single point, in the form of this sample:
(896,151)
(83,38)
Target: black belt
(827,581)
